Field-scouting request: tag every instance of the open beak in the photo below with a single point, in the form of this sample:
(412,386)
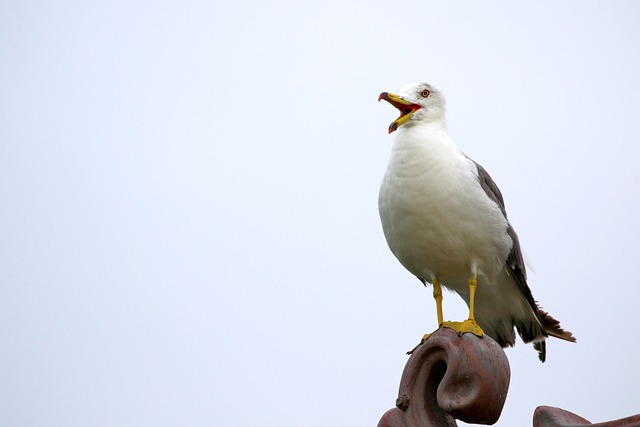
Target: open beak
(406,109)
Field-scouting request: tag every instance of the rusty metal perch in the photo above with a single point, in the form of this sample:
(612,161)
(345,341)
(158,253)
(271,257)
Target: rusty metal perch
(466,378)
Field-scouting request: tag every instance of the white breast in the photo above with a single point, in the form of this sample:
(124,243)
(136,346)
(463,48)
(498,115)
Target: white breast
(436,217)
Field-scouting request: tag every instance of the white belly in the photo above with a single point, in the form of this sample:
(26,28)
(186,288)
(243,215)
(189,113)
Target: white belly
(439,222)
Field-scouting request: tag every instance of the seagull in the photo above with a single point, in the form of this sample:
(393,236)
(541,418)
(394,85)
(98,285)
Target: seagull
(444,218)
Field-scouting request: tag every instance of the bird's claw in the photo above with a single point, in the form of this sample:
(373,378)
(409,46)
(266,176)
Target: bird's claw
(468,326)
(422,341)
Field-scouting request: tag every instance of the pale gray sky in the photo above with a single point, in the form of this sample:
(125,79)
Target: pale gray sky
(190,233)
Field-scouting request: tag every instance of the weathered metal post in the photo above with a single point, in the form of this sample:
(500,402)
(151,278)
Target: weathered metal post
(547,416)
(451,377)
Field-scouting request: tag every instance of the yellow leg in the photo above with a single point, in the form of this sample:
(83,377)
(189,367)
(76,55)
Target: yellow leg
(470,324)
(437,295)
(472,282)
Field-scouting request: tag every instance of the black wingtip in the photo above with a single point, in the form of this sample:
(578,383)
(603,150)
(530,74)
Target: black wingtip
(552,327)
(541,346)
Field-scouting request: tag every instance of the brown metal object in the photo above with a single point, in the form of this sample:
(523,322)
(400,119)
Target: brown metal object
(451,377)
(546,416)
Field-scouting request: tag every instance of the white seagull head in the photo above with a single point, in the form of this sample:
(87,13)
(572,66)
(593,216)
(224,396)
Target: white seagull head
(418,103)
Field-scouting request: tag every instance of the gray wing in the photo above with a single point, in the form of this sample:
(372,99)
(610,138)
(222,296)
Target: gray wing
(515,260)
(515,263)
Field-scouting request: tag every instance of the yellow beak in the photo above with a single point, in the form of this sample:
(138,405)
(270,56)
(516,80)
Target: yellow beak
(406,109)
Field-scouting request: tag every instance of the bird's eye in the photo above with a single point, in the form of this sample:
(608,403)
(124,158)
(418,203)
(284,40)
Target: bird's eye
(425,93)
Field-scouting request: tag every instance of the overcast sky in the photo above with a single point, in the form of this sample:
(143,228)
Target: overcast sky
(189,233)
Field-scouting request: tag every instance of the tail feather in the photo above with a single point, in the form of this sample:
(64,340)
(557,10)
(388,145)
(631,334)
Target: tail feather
(539,328)
(541,347)
(552,327)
